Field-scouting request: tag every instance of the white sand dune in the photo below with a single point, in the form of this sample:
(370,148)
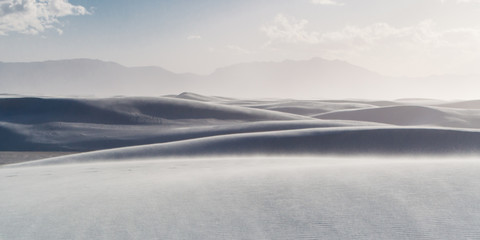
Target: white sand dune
(86,137)
(198,97)
(125,110)
(312,141)
(244,198)
(410,116)
(304,107)
(474,104)
(77,124)
(197,167)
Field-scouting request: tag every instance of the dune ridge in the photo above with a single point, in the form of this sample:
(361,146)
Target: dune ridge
(124,110)
(313,141)
(190,124)
(87,137)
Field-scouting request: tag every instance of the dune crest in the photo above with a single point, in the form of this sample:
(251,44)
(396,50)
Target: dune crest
(190,124)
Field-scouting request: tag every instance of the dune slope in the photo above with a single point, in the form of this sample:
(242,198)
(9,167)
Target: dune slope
(80,124)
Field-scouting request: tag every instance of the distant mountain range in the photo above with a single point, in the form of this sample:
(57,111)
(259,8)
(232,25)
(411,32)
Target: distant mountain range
(314,78)
(85,77)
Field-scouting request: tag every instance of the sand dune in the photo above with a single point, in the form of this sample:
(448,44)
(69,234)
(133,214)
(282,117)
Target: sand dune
(398,115)
(79,124)
(86,137)
(124,110)
(198,97)
(474,104)
(410,116)
(305,107)
(313,141)
(189,166)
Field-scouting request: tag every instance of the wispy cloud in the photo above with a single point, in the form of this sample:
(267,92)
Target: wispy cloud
(423,46)
(424,35)
(35,16)
(327,2)
(194,37)
(290,29)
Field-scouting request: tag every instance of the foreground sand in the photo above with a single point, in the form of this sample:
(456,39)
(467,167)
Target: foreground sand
(244,198)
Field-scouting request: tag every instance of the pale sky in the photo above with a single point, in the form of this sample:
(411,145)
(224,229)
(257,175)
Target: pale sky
(391,37)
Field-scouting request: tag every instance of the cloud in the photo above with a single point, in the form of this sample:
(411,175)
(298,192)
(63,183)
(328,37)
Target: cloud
(422,35)
(326,2)
(290,30)
(420,49)
(35,16)
(194,37)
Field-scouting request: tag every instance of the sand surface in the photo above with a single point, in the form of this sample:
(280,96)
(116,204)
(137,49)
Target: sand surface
(244,198)
(197,167)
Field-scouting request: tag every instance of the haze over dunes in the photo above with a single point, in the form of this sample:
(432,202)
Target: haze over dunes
(314,78)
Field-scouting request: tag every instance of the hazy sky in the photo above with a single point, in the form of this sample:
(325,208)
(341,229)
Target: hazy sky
(407,37)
